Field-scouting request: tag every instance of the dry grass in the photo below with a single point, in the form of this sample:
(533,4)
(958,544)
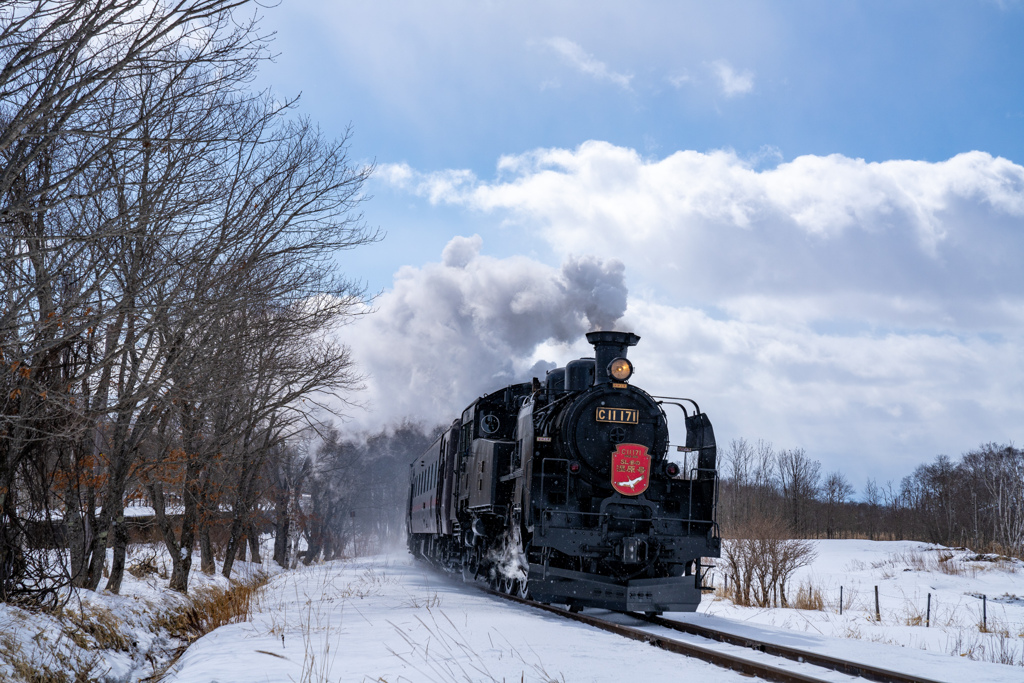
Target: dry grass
(209,608)
(53,666)
(941,561)
(438,651)
(144,566)
(808,596)
(101,626)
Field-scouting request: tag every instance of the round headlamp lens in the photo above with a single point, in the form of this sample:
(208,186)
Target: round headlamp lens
(620,369)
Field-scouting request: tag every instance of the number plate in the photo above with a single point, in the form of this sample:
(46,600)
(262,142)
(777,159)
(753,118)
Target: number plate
(629,416)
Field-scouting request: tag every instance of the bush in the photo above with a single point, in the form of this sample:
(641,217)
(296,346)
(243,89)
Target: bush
(762,560)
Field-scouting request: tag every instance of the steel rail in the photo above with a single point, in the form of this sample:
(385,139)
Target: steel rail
(840,665)
(726,660)
(722,659)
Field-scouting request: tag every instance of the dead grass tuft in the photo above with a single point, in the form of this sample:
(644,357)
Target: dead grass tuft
(808,596)
(103,627)
(144,566)
(941,561)
(55,667)
(209,608)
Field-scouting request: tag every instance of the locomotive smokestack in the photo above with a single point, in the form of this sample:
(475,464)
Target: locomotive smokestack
(607,347)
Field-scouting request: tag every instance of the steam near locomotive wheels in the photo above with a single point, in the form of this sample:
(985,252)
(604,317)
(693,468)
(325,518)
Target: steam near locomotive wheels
(570,491)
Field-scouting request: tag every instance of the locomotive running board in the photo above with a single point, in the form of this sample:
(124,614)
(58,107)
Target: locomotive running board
(580,589)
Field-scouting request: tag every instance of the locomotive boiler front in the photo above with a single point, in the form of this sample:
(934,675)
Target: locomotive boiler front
(610,416)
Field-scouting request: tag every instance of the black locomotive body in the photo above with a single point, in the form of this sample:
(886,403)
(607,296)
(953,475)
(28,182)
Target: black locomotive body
(564,490)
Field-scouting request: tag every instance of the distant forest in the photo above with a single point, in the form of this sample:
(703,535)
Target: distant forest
(975,501)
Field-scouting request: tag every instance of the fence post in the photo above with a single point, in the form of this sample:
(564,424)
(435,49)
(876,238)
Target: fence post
(878,614)
(928,618)
(984,612)
(840,600)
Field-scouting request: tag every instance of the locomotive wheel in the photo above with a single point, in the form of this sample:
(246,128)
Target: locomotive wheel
(521,589)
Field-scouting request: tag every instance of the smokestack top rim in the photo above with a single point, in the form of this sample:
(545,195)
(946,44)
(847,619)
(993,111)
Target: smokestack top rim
(612,337)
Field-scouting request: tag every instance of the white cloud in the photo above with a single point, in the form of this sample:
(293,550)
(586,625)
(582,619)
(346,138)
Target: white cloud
(586,63)
(872,313)
(899,243)
(876,401)
(680,79)
(733,82)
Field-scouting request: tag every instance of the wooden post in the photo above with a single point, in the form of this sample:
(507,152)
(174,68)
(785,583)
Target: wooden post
(928,617)
(840,600)
(878,614)
(984,612)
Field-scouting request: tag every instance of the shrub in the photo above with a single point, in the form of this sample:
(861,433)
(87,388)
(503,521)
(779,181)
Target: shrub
(762,560)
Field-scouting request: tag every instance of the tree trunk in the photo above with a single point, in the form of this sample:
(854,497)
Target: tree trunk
(120,545)
(253,534)
(206,561)
(281,529)
(77,541)
(189,515)
(236,543)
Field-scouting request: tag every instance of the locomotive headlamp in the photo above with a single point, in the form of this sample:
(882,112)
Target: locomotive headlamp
(620,369)
(672,469)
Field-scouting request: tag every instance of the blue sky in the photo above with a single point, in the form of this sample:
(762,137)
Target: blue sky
(816,208)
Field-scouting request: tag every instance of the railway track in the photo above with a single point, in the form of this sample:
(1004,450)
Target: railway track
(813,667)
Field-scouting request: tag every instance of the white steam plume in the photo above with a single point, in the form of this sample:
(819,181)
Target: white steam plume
(450,331)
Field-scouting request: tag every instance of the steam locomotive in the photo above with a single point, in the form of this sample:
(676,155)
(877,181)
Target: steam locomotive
(569,491)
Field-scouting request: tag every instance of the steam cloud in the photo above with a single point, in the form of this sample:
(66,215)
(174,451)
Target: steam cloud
(451,331)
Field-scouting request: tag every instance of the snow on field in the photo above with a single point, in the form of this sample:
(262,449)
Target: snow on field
(114,638)
(390,619)
(905,573)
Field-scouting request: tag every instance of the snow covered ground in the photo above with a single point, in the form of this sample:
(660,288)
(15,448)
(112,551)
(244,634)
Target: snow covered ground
(905,573)
(111,637)
(389,619)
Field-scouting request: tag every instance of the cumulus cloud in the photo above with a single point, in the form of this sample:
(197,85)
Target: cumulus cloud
(582,61)
(871,312)
(906,243)
(866,404)
(448,332)
(731,81)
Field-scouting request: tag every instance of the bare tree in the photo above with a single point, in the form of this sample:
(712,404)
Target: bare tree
(799,477)
(167,298)
(835,493)
(873,499)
